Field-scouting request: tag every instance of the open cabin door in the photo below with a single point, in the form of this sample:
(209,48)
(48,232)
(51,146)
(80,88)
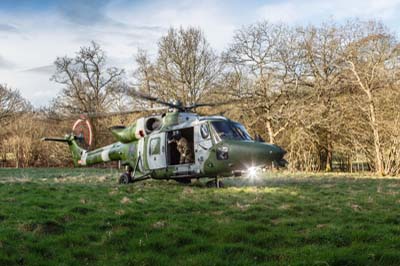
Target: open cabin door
(156,157)
(203,142)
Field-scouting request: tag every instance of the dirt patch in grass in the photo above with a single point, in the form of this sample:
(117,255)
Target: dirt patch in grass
(159,224)
(141,200)
(81,210)
(15,180)
(125,200)
(27,227)
(113,191)
(45,228)
(356,207)
(82,179)
(119,212)
(66,218)
(49,228)
(242,206)
(187,191)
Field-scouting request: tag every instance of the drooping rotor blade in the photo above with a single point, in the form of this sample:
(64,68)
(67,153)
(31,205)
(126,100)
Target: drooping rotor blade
(73,115)
(157,100)
(108,114)
(179,106)
(210,104)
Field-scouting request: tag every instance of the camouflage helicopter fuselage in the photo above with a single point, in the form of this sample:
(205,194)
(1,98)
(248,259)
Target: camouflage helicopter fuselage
(220,146)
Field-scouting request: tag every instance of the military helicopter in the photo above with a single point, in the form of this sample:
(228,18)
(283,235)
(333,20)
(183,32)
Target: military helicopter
(219,147)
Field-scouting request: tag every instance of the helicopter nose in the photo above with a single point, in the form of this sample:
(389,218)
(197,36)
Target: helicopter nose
(278,152)
(274,152)
(257,154)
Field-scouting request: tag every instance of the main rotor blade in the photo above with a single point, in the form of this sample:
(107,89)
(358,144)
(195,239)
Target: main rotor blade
(180,107)
(210,104)
(98,115)
(73,115)
(156,100)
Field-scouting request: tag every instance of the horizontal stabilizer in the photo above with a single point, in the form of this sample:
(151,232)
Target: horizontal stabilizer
(56,139)
(117,127)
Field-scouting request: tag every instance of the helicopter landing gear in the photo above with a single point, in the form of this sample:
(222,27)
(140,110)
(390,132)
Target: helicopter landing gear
(126,177)
(216,183)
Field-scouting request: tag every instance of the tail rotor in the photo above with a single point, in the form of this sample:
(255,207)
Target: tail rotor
(83,132)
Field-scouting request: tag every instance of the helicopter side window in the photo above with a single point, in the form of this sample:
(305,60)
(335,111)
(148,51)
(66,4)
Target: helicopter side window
(204,131)
(155,146)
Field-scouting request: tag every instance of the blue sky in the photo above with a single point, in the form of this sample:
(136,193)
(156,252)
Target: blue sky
(34,33)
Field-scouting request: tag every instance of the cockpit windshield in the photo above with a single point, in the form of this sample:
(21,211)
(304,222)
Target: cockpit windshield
(230,130)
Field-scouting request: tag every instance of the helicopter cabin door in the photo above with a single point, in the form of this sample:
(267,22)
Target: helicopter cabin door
(156,157)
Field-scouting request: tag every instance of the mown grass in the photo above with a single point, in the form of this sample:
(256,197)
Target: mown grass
(83,217)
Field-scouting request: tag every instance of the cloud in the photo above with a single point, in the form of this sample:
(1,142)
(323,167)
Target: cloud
(45,70)
(8,28)
(301,11)
(280,12)
(37,88)
(215,18)
(88,13)
(6,64)
(383,9)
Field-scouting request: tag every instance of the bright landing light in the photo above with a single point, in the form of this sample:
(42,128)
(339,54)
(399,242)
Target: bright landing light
(252,172)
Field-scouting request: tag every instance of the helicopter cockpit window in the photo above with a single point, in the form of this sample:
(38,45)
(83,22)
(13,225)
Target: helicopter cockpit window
(155,146)
(233,131)
(242,131)
(204,131)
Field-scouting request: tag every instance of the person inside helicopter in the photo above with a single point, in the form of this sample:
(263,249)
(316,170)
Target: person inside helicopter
(183,146)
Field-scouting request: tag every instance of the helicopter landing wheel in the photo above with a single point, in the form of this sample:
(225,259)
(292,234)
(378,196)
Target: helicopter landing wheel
(215,183)
(125,178)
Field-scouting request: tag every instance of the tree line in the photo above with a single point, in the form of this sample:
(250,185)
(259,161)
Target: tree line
(327,93)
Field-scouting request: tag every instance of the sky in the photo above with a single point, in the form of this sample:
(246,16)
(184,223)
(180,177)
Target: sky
(34,33)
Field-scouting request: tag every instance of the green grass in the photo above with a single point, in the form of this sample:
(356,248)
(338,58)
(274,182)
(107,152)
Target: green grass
(83,217)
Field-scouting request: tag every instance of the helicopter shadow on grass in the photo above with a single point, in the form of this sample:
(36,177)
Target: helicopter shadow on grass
(228,182)
(316,180)
(279,180)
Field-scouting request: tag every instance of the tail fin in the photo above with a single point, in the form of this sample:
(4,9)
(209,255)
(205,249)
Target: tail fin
(76,151)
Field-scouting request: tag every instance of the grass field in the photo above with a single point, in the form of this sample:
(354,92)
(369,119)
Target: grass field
(82,217)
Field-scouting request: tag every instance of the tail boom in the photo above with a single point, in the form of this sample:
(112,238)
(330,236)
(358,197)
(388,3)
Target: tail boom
(113,152)
(82,157)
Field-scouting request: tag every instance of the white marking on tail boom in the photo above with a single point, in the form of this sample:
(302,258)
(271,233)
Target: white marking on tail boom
(82,161)
(104,155)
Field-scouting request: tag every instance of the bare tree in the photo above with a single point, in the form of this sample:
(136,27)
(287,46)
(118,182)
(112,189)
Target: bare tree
(145,74)
(11,103)
(321,53)
(90,85)
(185,69)
(255,53)
(371,61)
(12,107)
